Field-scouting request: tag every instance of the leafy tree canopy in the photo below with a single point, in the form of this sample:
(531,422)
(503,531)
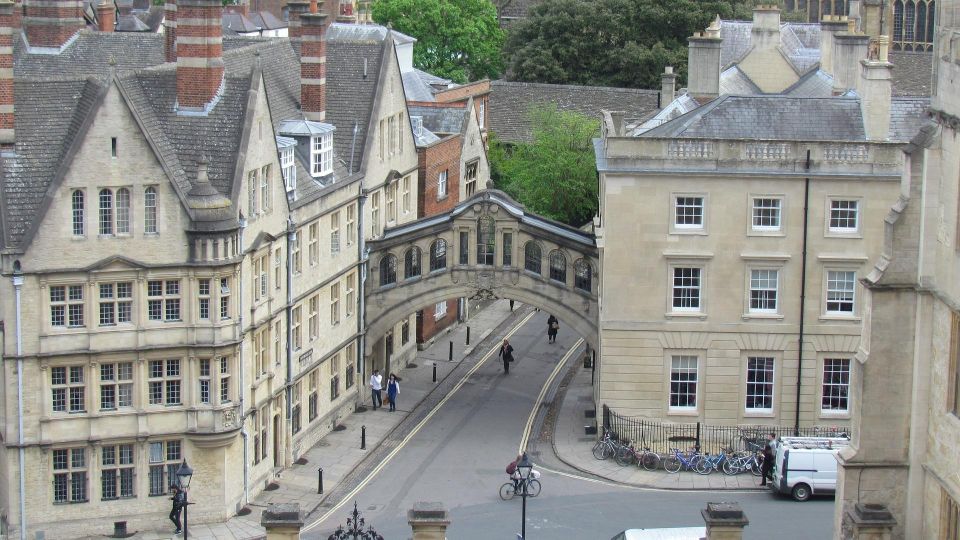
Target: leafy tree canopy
(456,39)
(624,43)
(555,175)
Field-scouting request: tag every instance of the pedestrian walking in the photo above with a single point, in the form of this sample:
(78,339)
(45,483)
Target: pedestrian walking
(376,385)
(506,353)
(179,501)
(552,326)
(393,389)
(769,456)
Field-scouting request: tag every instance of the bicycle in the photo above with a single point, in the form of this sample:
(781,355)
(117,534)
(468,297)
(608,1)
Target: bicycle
(607,446)
(681,460)
(708,463)
(509,489)
(646,458)
(742,461)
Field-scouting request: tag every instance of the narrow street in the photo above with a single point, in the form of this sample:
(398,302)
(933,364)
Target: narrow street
(458,457)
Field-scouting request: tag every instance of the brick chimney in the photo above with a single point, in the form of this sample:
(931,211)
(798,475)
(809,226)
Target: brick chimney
(51,25)
(703,62)
(874,86)
(7,138)
(296,8)
(170,30)
(332,9)
(105,16)
(313,66)
(199,55)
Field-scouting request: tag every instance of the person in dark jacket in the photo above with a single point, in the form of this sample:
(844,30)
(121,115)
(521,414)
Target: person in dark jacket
(179,500)
(552,326)
(769,457)
(393,389)
(506,353)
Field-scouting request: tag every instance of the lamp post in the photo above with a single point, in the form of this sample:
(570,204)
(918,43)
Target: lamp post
(184,475)
(524,467)
(354,529)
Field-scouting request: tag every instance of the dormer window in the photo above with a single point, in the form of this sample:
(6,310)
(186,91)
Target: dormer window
(289,168)
(321,155)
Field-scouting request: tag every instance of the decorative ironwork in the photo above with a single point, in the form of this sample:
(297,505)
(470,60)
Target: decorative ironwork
(354,529)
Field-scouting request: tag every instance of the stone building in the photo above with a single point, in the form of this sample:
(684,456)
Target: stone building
(759,198)
(181,249)
(903,454)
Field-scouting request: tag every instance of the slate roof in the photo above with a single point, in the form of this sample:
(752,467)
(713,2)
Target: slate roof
(440,119)
(510,104)
(237,23)
(912,73)
(735,81)
(49,116)
(769,118)
(130,23)
(415,88)
(815,83)
(800,43)
(907,114)
(91,54)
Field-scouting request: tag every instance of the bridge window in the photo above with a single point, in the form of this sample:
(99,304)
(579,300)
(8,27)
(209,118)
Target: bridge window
(582,275)
(388,270)
(411,263)
(558,267)
(438,255)
(507,249)
(532,257)
(464,247)
(486,240)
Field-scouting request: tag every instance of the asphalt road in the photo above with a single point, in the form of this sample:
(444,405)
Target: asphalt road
(459,455)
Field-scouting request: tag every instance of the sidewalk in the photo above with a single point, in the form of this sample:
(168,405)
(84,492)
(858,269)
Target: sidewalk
(574,448)
(339,452)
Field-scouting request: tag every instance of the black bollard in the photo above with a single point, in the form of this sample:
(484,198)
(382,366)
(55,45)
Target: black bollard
(434,372)
(511,306)
(363,437)
(468,335)
(320,480)
(450,355)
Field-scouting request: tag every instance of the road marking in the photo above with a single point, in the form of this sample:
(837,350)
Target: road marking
(543,392)
(415,430)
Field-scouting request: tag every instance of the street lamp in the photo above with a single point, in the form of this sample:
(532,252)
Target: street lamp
(524,467)
(354,530)
(184,475)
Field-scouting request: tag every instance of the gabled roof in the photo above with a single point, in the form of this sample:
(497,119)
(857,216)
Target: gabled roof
(510,104)
(799,42)
(266,20)
(237,23)
(769,117)
(304,128)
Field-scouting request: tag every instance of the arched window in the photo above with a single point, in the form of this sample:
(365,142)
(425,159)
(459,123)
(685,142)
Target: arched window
(438,255)
(921,22)
(150,210)
(582,275)
(898,22)
(909,19)
(411,263)
(532,257)
(123,211)
(486,240)
(388,270)
(931,10)
(106,211)
(77,206)
(558,266)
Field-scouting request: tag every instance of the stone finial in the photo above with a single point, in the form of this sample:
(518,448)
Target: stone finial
(724,520)
(282,521)
(429,521)
(870,522)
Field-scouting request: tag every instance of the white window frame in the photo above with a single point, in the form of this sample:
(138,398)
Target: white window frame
(288,166)
(335,233)
(681,360)
(688,228)
(350,287)
(321,155)
(824,361)
(334,304)
(440,310)
(351,224)
(313,317)
(115,303)
(407,207)
(671,288)
(78,201)
(831,229)
(151,196)
(442,184)
(70,306)
(751,283)
(827,291)
(116,377)
(761,230)
(772,382)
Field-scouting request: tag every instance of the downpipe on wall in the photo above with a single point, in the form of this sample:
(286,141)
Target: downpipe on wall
(21,455)
(243,417)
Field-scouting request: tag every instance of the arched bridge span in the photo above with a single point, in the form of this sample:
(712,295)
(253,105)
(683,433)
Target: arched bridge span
(489,246)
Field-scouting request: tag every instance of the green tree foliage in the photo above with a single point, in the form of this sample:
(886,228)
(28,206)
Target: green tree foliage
(456,39)
(555,175)
(623,43)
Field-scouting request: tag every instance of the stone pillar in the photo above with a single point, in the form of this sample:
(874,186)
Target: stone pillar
(829,27)
(429,521)
(848,50)
(668,86)
(703,63)
(725,521)
(282,521)
(868,522)
(875,87)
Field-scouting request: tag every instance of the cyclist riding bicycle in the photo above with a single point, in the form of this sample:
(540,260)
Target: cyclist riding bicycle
(514,473)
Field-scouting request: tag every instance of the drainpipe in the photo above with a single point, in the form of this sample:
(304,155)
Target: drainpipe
(288,391)
(361,311)
(17,285)
(243,416)
(803,292)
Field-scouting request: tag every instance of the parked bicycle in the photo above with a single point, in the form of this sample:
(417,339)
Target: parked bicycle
(681,460)
(743,461)
(608,445)
(646,458)
(707,464)
(509,489)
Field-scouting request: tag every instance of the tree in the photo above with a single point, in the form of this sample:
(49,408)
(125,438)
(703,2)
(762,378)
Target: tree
(624,43)
(456,39)
(555,175)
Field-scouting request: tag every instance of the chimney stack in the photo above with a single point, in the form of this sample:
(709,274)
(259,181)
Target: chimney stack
(848,50)
(7,138)
(313,66)
(765,33)
(830,26)
(332,8)
(170,30)
(51,25)
(874,86)
(105,16)
(668,86)
(199,55)
(296,8)
(703,62)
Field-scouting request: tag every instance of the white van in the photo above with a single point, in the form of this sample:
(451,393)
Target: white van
(676,533)
(807,466)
